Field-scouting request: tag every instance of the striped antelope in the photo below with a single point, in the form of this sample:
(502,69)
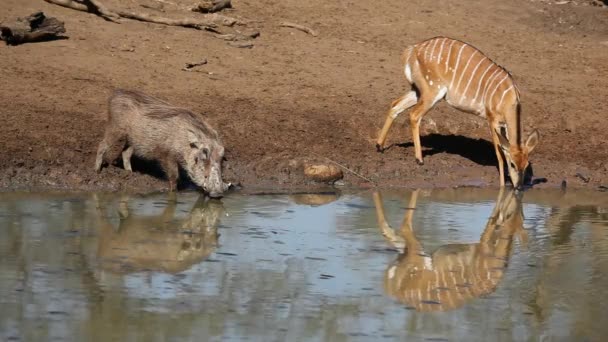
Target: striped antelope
(442,67)
(455,273)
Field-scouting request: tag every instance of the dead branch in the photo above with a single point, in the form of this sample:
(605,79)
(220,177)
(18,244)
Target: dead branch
(209,23)
(199,24)
(212,6)
(224,20)
(70,4)
(33,28)
(91,6)
(300,27)
(241,44)
(103,10)
(233,37)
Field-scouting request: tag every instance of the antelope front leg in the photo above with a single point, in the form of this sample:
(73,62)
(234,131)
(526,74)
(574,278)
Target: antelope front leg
(385,228)
(501,169)
(397,107)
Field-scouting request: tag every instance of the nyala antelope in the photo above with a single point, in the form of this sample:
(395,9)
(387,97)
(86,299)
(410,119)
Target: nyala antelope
(440,68)
(454,274)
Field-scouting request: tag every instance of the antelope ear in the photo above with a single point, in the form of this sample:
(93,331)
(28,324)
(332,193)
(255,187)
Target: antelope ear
(532,140)
(504,142)
(193,139)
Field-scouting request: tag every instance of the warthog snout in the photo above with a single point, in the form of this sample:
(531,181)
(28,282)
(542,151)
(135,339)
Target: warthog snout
(214,185)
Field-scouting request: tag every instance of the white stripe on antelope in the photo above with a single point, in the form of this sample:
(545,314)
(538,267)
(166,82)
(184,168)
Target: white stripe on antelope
(441,68)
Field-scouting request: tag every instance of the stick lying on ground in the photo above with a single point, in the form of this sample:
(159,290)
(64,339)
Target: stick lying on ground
(300,27)
(34,28)
(95,6)
(92,6)
(191,65)
(199,24)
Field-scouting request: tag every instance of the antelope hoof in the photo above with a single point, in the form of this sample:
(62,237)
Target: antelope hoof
(379,148)
(419,162)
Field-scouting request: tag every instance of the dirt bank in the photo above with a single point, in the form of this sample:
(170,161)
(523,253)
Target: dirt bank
(297,96)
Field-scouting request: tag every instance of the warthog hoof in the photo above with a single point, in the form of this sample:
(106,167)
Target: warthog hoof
(419,162)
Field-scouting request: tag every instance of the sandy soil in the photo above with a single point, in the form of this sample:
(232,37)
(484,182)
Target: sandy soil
(298,97)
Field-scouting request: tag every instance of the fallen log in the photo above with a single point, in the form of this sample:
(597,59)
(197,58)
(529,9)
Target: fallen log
(33,28)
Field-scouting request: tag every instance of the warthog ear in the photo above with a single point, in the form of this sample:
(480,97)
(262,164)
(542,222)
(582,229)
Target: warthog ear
(503,141)
(532,140)
(193,140)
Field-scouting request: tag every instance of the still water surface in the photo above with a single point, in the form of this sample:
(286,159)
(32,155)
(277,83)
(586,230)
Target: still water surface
(439,265)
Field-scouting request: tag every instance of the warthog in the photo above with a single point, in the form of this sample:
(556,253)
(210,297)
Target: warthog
(153,129)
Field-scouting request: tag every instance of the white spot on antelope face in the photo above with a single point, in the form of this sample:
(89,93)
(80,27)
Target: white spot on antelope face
(431,82)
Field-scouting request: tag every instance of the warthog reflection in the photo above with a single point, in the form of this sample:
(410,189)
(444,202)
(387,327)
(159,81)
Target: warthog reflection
(455,273)
(158,242)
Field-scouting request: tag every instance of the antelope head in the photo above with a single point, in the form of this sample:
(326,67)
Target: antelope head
(517,156)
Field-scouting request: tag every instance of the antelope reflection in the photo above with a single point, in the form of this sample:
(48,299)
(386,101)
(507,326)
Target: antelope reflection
(158,242)
(454,273)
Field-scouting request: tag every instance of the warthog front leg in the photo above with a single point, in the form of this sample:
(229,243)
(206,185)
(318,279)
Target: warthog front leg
(126,158)
(171,169)
(101,151)
(111,138)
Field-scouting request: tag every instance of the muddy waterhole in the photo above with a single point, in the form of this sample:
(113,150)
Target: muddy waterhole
(441,265)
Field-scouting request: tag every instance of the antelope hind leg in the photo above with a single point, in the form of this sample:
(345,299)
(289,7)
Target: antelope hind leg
(421,108)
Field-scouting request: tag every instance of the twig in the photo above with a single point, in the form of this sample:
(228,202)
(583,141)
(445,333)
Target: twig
(582,177)
(299,27)
(195,64)
(345,168)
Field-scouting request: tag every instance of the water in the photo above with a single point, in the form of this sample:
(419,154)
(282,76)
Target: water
(305,268)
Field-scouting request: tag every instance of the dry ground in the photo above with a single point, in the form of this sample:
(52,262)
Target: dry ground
(294,96)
